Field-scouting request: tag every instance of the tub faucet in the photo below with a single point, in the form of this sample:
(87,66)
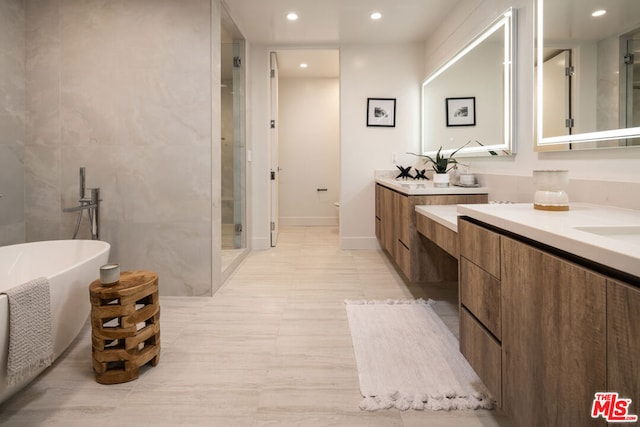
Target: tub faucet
(82,182)
(91,204)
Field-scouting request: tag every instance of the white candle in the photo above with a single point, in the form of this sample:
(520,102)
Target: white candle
(109,274)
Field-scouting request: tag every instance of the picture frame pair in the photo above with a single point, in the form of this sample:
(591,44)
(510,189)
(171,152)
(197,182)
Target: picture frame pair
(381,112)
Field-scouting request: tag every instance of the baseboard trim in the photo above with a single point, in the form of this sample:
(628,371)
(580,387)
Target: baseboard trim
(292,221)
(359,243)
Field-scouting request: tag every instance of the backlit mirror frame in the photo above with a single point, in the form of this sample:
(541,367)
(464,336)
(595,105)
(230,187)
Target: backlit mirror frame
(506,22)
(564,142)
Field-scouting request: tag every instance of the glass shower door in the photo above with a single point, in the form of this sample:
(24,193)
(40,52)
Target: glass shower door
(232,148)
(632,63)
(239,149)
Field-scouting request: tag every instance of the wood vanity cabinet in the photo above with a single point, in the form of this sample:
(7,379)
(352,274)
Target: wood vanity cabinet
(439,234)
(480,303)
(545,332)
(554,337)
(623,342)
(385,203)
(419,259)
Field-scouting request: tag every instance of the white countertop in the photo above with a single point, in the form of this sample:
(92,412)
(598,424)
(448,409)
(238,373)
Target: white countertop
(424,188)
(620,249)
(446,215)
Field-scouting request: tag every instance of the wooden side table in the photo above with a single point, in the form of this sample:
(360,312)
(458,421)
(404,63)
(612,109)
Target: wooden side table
(125,326)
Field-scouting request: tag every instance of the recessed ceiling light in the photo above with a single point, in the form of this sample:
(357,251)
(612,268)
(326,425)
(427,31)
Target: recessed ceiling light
(303,65)
(292,16)
(375,15)
(598,13)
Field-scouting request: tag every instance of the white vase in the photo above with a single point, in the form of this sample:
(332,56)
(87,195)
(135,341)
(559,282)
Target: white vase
(440,180)
(550,192)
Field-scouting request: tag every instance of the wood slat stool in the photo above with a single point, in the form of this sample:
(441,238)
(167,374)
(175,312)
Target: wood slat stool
(125,326)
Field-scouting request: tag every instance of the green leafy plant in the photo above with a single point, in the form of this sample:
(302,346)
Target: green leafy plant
(440,163)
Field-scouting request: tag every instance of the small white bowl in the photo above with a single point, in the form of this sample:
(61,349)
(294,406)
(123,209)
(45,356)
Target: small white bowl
(467,179)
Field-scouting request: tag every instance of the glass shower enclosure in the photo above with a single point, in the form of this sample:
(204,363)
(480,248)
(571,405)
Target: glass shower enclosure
(233,147)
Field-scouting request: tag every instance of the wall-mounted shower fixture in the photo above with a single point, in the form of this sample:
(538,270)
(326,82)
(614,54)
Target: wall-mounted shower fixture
(90,204)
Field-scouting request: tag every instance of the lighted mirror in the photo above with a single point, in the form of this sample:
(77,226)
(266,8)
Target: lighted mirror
(587,74)
(470,97)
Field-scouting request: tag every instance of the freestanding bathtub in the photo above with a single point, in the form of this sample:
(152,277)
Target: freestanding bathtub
(70,266)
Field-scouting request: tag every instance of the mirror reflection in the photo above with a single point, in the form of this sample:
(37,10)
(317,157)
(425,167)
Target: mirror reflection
(469,98)
(588,81)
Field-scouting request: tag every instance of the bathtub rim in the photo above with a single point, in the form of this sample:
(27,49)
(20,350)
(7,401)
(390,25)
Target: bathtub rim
(101,244)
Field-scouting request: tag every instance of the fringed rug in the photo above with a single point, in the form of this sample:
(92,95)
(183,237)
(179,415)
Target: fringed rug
(408,359)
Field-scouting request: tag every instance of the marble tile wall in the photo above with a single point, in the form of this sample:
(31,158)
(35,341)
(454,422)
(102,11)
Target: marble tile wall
(124,88)
(12,121)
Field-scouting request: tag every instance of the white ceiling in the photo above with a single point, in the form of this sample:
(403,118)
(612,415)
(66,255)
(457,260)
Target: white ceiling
(322,63)
(572,20)
(332,22)
(337,21)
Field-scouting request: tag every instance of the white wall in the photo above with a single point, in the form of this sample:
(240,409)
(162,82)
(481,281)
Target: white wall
(469,19)
(309,147)
(376,71)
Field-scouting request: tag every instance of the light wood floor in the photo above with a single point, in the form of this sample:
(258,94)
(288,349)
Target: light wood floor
(272,347)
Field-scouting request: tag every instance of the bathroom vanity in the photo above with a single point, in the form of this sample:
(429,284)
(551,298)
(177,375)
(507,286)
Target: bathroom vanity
(439,223)
(419,259)
(550,307)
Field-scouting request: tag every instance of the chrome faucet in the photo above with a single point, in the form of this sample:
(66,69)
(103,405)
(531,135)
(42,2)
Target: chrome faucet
(82,182)
(91,204)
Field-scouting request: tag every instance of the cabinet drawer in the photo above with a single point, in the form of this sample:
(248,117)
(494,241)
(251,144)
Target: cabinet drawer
(442,236)
(480,246)
(403,259)
(480,294)
(483,353)
(404,220)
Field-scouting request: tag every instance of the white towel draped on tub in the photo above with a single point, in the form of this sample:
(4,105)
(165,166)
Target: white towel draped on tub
(30,330)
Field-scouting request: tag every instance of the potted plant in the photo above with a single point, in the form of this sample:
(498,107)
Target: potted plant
(441,165)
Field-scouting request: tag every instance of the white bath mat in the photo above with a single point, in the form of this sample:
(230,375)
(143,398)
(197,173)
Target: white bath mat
(408,359)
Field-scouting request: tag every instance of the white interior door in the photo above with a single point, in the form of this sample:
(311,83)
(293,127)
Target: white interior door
(557,94)
(274,150)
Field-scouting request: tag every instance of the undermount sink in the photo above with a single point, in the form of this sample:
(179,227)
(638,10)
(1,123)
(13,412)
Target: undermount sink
(628,234)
